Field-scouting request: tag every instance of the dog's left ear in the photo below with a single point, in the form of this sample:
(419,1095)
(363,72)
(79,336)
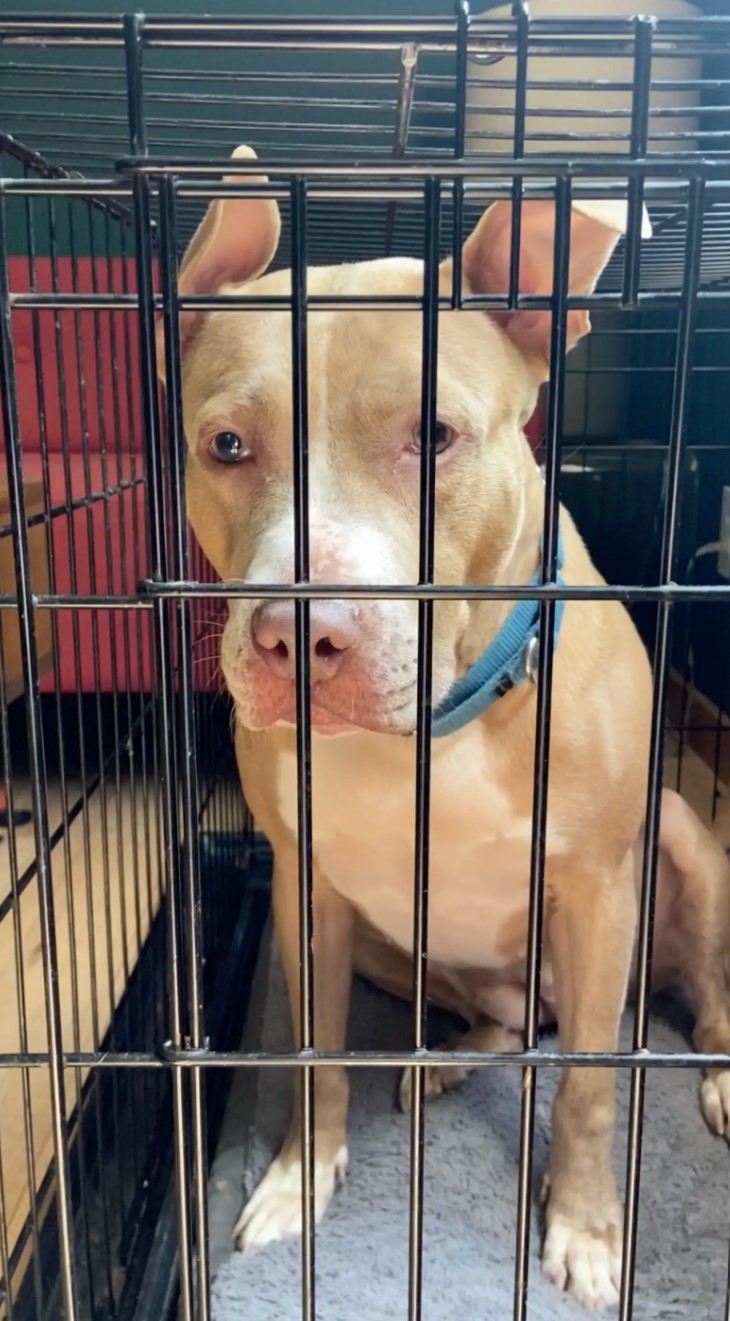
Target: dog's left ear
(233,244)
(595,229)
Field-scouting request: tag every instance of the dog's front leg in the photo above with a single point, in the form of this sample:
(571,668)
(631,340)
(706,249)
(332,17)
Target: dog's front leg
(591,920)
(275,1209)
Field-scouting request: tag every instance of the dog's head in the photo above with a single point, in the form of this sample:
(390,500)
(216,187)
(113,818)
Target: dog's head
(364,401)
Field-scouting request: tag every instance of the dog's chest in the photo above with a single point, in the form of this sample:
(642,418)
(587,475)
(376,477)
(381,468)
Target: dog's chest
(363,814)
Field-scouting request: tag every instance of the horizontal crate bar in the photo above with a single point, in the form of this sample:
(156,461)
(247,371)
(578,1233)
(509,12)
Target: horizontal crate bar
(427,592)
(343,303)
(327,78)
(364,1059)
(59,601)
(65,186)
(329,34)
(287,104)
(600,26)
(255,27)
(481,167)
(189,591)
(343,189)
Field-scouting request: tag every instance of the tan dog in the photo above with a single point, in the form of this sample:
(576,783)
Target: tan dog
(364,412)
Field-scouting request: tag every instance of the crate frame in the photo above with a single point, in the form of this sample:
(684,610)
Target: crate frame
(171,586)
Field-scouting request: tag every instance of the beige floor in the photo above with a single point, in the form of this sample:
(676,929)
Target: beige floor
(102,917)
(696,783)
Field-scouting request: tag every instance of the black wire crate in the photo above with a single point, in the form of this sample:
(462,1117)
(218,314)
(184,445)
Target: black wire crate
(134,878)
(95,800)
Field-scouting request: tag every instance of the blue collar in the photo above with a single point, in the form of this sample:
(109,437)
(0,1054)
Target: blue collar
(510,659)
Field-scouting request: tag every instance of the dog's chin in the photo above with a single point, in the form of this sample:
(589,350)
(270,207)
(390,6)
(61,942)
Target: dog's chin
(325,723)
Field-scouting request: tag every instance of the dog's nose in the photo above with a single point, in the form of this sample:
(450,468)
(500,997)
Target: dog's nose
(332,633)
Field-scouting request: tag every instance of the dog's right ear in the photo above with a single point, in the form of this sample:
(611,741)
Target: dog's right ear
(595,229)
(234,243)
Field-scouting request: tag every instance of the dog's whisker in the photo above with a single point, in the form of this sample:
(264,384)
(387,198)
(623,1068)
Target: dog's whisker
(207,637)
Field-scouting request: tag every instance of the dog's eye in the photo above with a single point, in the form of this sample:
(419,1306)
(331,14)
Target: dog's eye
(443,438)
(227,447)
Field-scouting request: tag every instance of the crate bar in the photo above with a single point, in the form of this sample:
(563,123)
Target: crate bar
(61,601)
(457,239)
(345,303)
(662,658)
(551,532)
(64,185)
(412,591)
(371,592)
(670,166)
(147,707)
(169,1058)
(88,788)
(249,32)
(16,880)
(6,1281)
(36,756)
(61,362)
(522,18)
(95,623)
(33,160)
(48,26)
(120,1139)
(583,45)
(607,26)
(156,541)
(190,854)
(69,506)
(300,460)
(33,1219)
(404,107)
(120,368)
(706,593)
(429,369)
(373,187)
(644,28)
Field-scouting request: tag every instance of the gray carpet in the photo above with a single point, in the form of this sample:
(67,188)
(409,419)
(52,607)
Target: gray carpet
(472,1149)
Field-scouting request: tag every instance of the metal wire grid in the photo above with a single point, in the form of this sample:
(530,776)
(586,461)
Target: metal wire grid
(172,585)
(103,752)
(377,89)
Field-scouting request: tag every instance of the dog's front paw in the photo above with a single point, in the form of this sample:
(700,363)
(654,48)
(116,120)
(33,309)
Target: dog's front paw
(439,1078)
(274,1211)
(715,1099)
(584,1259)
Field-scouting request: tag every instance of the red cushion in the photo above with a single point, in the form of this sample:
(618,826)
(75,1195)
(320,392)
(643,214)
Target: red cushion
(101,548)
(86,347)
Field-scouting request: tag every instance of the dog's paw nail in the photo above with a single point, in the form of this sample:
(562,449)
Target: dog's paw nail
(556,1274)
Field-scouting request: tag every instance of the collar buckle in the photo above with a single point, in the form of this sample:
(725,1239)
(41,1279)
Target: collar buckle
(532,658)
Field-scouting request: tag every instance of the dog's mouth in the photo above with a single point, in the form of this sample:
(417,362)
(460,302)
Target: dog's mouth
(324,723)
(329,723)
(277,707)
